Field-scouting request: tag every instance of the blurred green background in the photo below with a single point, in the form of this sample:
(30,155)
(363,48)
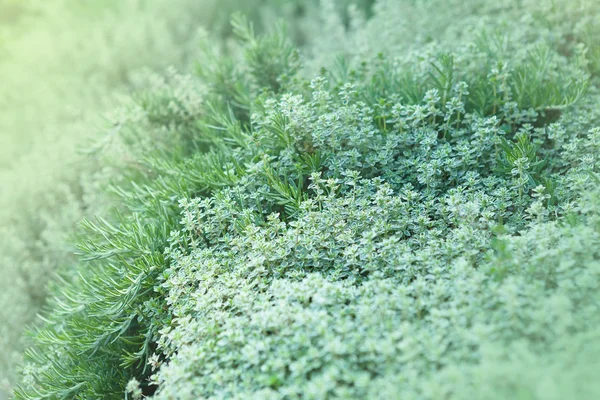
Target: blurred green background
(63,65)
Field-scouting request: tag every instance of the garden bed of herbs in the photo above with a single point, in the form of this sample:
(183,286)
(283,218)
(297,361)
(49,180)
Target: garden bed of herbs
(400,200)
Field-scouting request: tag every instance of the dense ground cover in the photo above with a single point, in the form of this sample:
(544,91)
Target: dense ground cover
(398,200)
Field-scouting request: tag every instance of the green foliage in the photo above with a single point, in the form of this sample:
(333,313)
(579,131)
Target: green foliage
(342,304)
(62,68)
(402,224)
(268,56)
(520,160)
(66,63)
